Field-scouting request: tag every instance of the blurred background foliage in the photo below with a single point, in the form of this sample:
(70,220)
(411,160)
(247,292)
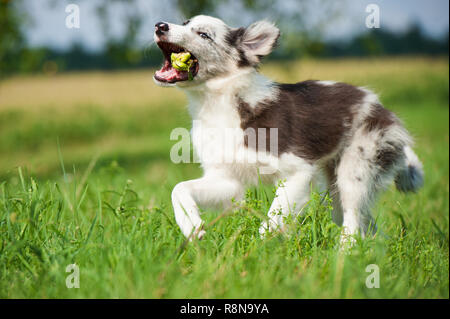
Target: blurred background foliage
(302,38)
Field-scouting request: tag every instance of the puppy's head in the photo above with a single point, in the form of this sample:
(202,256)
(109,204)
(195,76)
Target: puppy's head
(216,49)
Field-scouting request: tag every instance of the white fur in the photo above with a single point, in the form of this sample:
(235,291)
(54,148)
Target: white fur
(327,83)
(411,158)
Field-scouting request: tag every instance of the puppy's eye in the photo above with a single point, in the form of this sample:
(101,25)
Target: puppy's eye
(186,22)
(203,35)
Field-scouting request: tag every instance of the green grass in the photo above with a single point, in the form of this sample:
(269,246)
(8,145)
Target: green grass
(102,199)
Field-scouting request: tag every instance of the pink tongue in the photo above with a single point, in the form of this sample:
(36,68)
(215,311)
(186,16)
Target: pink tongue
(170,74)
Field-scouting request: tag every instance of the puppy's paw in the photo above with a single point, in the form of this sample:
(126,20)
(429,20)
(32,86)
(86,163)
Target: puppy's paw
(346,243)
(271,228)
(200,234)
(265,229)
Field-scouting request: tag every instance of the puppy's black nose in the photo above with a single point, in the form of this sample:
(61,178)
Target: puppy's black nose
(161,27)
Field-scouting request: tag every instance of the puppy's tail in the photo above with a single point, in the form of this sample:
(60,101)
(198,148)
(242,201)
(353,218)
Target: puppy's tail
(410,175)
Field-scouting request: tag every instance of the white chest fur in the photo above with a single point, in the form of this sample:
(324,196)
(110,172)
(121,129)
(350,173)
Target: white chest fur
(217,136)
(216,132)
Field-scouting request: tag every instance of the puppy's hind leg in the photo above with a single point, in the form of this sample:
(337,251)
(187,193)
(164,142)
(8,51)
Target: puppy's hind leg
(356,182)
(355,199)
(366,168)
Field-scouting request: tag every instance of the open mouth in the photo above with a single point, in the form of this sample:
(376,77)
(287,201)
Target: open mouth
(175,71)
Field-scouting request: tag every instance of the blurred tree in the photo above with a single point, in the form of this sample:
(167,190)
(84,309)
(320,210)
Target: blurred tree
(191,8)
(121,51)
(385,42)
(11,38)
(15,56)
(302,30)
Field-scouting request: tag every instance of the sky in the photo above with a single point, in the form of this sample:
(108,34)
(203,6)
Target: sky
(49,27)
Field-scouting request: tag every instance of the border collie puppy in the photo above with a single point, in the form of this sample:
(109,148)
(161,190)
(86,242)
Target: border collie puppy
(321,128)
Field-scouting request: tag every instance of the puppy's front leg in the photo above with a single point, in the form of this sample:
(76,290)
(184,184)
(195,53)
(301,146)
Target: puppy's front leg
(212,190)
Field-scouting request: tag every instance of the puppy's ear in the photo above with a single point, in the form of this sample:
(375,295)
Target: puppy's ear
(258,40)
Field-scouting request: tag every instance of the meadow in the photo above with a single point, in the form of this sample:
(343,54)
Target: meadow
(85,179)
